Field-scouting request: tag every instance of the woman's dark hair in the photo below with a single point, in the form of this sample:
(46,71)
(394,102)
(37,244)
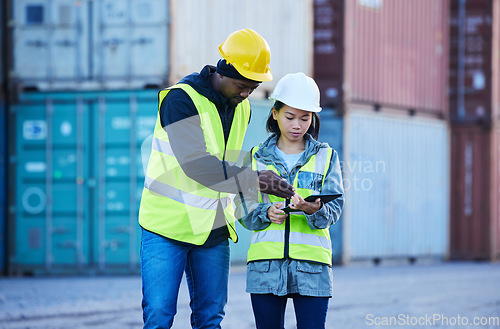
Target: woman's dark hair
(273,128)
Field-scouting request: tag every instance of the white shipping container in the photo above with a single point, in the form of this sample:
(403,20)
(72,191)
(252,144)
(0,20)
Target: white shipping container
(49,40)
(100,44)
(396,171)
(198,27)
(131,42)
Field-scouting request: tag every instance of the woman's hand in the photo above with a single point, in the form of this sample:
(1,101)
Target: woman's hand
(275,214)
(308,207)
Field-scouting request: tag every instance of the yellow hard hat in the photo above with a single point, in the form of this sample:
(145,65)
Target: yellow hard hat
(249,53)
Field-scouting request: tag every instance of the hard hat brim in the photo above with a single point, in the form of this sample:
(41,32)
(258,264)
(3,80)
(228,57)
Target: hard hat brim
(255,76)
(296,106)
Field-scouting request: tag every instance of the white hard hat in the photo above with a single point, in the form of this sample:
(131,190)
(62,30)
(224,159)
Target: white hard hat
(299,91)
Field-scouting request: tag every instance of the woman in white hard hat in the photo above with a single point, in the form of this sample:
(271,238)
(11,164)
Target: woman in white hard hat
(290,253)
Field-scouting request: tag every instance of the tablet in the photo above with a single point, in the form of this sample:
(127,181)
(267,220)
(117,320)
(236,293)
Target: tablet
(324,198)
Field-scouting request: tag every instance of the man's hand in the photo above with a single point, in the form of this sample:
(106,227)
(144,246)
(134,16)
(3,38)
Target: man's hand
(271,183)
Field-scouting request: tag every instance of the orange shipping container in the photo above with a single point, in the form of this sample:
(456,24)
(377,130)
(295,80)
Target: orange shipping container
(392,53)
(475,193)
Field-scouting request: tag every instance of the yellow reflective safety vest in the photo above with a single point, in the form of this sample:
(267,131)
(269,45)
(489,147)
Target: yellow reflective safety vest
(294,238)
(176,206)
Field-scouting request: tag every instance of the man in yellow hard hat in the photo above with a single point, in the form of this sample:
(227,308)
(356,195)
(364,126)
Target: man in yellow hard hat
(186,211)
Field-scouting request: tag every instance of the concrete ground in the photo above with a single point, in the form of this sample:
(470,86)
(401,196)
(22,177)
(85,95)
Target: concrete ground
(443,295)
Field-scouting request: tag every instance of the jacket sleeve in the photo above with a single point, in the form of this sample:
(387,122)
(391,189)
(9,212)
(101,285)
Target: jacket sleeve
(330,212)
(256,220)
(180,119)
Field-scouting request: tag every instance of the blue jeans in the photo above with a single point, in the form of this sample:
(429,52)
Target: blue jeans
(163,263)
(269,311)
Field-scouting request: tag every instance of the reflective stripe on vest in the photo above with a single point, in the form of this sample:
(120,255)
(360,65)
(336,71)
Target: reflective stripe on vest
(184,197)
(295,237)
(165,148)
(174,205)
(162,146)
(304,242)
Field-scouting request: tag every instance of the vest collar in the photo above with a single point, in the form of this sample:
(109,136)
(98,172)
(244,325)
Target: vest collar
(201,83)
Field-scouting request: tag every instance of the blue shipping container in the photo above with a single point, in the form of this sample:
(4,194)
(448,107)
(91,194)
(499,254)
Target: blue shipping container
(331,132)
(123,127)
(3,187)
(3,152)
(78,180)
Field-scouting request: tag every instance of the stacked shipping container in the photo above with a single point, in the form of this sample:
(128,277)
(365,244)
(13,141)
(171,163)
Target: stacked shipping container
(3,149)
(80,111)
(396,181)
(396,54)
(79,179)
(105,44)
(475,115)
(390,57)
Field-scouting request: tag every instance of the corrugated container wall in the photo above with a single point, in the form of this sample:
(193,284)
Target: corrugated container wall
(66,45)
(79,175)
(397,186)
(394,53)
(199,27)
(475,193)
(474,91)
